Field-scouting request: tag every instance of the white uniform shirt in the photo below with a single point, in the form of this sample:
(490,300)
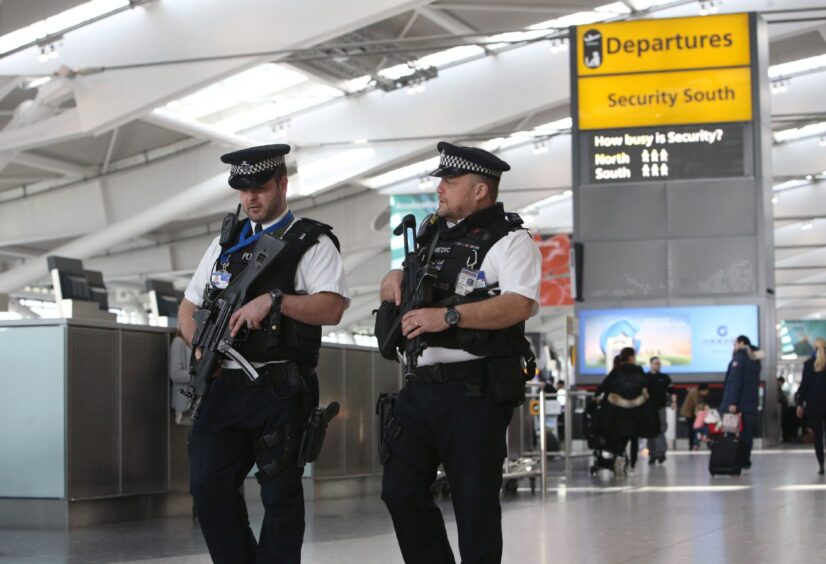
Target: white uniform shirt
(516,263)
(319,270)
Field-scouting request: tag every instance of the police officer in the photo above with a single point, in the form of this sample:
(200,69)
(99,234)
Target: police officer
(455,407)
(243,422)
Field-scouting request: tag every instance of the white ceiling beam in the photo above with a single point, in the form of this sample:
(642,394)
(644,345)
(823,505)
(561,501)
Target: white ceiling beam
(507,8)
(197,130)
(54,165)
(446,21)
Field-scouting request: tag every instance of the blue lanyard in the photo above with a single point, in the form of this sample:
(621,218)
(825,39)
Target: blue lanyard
(246,239)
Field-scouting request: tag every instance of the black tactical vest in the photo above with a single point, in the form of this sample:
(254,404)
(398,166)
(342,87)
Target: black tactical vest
(465,245)
(295,341)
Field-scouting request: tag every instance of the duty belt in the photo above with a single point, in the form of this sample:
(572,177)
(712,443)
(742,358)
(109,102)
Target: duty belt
(268,374)
(438,373)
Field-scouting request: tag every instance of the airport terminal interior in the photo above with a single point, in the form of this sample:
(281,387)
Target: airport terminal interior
(605,223)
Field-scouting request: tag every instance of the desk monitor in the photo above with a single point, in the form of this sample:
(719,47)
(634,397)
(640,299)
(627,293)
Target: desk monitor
(164,299)
(69,279)
(97,289)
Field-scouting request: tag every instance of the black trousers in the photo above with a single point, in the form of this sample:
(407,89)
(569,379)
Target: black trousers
(817,424)
(440,423)
(222,451)
(747,439)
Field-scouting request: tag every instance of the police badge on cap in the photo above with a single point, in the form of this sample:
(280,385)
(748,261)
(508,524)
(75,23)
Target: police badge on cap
(253,167)
(457,160)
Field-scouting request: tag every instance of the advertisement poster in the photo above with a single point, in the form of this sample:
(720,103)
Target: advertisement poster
(797,337)
(419,205)
(688,340)
(555,287)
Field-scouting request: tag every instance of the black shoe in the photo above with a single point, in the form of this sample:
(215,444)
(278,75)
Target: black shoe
(820,471)
(651,461)
(661,459)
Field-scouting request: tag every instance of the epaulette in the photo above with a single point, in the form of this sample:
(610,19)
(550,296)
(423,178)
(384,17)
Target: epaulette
(305,226)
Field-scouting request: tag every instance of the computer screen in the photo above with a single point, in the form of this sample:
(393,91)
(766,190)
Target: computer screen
(70,282)
(165,299)
(97,289)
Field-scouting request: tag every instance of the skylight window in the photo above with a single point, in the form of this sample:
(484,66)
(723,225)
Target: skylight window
(58,23)
(795,133)
(258,95)
(797,67)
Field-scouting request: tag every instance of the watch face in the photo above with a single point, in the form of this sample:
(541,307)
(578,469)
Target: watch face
(452,317)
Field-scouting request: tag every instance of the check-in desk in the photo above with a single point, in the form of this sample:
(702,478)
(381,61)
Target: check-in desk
(87,435)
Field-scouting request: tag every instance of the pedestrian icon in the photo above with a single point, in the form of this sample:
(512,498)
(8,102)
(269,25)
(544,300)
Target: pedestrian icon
(663,156)
(663,169)
(645,171)
(655,170)
(645,155)
(655,156)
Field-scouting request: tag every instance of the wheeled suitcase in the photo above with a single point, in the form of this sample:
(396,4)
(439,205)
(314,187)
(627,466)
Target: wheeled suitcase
(724,456)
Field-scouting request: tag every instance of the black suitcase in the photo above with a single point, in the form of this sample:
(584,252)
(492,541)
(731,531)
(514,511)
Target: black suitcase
(724,458)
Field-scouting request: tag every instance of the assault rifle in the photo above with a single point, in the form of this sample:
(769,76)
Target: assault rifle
(417,287)
(212,330)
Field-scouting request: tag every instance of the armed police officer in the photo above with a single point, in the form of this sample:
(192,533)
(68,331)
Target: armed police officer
(460,393)
(278,330)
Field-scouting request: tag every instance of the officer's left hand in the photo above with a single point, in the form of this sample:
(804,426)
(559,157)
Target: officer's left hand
(251,315)
(732,409)
(425,320)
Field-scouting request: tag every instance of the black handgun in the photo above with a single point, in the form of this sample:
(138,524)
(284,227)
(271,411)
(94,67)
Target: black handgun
(212,331)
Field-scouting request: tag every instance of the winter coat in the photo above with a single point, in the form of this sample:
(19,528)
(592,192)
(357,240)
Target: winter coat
(811,394)
(742,384)
(628,413)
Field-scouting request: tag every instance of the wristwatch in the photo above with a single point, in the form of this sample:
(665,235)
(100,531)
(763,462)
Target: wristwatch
(276,296)
(452,317)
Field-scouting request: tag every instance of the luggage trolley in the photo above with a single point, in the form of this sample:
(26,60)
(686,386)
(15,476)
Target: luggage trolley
(529,467)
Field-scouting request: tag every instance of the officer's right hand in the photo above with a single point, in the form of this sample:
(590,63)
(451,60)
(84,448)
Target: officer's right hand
(199,352)
(391,287)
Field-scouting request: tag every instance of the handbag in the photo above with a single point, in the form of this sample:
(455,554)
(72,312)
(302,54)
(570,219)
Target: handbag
(700,419)
(712,417)
(732,423)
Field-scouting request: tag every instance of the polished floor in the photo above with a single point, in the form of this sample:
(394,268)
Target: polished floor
(672,514)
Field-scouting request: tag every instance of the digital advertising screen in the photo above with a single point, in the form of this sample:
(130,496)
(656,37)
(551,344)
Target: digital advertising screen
(688,340)
(797,337)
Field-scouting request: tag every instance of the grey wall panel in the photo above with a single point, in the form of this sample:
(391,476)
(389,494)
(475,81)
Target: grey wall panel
(712,208)
(625,269)
(331,461)
(358,414)
(718,266)
(144,408)
(93,412)
(633,211)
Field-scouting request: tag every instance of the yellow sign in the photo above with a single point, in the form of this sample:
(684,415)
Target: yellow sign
(663,44)
(534,407)
(670,98)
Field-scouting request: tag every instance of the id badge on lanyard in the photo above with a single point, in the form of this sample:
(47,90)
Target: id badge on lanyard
(466,282)
(220,278)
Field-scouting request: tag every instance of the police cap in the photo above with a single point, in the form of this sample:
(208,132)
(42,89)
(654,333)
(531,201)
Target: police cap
(253,167)
(457,160)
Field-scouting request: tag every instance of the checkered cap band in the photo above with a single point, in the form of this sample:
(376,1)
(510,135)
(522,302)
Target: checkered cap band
(452,161)
(246,169)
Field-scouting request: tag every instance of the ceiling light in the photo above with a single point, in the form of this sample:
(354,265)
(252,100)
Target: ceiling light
(775,199)
(806,226)
(279,130)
